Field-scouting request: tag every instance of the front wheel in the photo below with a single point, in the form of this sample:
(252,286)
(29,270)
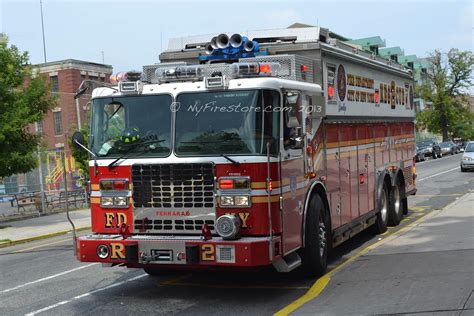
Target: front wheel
(317,238)
(158,271)
(463,169)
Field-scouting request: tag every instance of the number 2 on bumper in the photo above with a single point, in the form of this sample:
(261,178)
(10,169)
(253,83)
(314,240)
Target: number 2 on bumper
(208,252)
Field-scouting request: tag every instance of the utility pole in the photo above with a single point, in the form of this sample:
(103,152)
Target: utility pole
(42,28)
(40,171)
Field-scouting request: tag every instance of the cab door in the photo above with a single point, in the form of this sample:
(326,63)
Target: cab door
(292,161)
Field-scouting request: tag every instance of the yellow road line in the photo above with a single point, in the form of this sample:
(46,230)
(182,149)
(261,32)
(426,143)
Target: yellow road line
(323,281)
(43,245)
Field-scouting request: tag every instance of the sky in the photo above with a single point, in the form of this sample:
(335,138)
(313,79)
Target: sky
(130,34)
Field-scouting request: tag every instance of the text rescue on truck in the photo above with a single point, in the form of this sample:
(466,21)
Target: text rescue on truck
(242,160)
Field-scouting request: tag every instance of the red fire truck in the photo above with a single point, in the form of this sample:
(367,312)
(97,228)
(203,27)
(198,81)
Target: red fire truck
(248,151)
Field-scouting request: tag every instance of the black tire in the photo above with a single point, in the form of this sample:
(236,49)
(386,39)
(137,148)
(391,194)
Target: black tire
(158,271)
(381,221)
(434,155)
(463,169)
(440,155)
(395,210)
(317,238)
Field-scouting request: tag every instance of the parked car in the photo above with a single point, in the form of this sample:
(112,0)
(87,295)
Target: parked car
(449,148)
(430,148)
(467,159)
(419,156)
(463,146)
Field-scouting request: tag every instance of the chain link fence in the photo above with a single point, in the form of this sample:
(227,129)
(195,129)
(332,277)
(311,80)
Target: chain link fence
(54,185)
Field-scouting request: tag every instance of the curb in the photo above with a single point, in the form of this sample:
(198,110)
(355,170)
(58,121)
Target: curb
(39,237)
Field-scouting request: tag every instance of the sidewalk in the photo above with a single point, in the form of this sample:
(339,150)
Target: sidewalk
(427,269)
(42,227)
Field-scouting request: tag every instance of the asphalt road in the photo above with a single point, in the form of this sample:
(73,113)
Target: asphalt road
(44,276)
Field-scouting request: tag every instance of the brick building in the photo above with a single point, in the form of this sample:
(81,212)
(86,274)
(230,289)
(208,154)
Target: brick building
(65,76)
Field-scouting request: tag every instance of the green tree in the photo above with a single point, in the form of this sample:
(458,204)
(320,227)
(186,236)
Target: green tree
(24,99)
(447,84)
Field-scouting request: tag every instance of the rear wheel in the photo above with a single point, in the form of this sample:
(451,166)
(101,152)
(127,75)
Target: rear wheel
(395,210)
(317,238)
(381,221)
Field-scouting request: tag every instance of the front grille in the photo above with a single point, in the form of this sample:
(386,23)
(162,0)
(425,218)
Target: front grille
(173,185)
(172,224)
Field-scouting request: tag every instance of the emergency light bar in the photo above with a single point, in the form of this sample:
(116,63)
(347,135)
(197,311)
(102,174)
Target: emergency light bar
(125,76)
(179,73)
(255,69)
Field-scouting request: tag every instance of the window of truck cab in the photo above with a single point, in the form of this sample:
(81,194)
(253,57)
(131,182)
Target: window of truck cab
(138,125)
(230,122)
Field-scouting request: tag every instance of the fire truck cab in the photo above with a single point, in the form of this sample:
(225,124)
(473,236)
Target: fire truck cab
(248,151)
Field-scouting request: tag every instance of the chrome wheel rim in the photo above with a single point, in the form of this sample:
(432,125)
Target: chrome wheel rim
(384,208)
(396,204)
(322,238)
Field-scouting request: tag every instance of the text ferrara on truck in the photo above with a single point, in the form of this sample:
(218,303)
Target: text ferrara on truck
(248,151)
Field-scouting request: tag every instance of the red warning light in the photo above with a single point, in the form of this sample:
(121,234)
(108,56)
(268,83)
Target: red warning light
(330,91)
(361,178)
(265,68)
(304,68)
(376,96)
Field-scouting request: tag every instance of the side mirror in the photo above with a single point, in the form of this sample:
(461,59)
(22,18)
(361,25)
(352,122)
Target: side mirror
(78,140)
(296,142)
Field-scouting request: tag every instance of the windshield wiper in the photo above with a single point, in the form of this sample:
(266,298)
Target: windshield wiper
(230,159)
(132,147)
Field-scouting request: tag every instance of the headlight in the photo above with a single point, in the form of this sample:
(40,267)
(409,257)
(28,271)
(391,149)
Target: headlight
(120,201)
(241,200)
(228,226)
(227,200)
(235,200)
(106,201)
(467,158)
(114,201)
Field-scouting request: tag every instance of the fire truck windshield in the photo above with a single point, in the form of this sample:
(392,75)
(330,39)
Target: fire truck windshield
(238,122)
(132,125)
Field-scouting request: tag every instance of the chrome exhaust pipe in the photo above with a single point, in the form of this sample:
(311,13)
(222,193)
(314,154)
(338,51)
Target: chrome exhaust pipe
(214,42)
(236,40)
(249,46)
(208,49)
(222,40)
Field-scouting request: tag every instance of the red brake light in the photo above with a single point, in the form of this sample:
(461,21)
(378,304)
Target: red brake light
(226,184)
(361,178)
(330,91)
